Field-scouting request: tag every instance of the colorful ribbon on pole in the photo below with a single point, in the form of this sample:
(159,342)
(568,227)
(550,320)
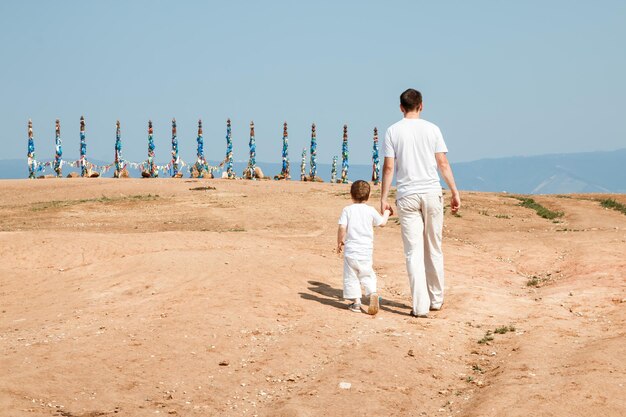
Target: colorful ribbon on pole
(375,160)
(151,169)
(230,173)
(118,162)
(32,161)
(83,149)
(344,156)
(201,166)
(58,149)
(175,159)
(284,172)
(313,167)
(333,170)
(303,166)
(250,170)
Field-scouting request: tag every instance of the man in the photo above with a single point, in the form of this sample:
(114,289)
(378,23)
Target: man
(417,149)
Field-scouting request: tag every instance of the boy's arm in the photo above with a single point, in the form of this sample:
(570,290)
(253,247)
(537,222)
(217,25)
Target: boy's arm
(377,219)
(341,236)
(385,217)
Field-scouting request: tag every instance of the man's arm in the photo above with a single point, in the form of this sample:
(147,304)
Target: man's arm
(341,236)
(446,173)
(387,178)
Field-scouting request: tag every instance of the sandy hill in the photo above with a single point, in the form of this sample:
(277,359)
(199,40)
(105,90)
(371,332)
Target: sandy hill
(223,298)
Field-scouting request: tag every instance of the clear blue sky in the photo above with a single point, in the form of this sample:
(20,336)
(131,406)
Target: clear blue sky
(499,78)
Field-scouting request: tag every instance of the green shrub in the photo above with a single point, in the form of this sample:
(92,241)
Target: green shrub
(609,203)
(539,209)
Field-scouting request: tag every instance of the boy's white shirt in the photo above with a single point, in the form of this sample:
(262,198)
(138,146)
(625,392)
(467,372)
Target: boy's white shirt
(359,219)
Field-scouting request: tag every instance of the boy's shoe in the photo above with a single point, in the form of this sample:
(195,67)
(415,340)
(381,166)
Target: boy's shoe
(419,316)
(374,304)
(354,307)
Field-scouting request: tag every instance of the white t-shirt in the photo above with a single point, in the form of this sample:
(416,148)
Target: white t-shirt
(359,219)
(413,143)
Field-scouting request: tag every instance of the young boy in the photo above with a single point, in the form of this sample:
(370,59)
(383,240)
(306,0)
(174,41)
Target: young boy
(356,232)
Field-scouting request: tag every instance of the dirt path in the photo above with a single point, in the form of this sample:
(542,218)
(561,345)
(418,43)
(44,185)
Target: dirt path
(143,297)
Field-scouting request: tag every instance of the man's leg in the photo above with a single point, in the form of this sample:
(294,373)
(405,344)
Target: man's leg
(412,226)
(433,254)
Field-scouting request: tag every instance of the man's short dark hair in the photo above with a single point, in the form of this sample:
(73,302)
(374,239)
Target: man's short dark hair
(411,100)
(360,191)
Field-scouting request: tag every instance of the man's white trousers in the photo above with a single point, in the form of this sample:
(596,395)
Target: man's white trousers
(421,221)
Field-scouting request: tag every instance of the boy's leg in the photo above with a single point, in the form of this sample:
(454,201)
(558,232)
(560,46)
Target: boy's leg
(412,227)
(367,276)
(433,254)
(351,285)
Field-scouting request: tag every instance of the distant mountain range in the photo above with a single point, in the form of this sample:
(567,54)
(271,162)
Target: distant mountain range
(591,172)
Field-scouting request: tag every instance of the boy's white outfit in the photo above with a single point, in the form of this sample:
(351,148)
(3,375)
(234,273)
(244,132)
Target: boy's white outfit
(413,143)
(359,220)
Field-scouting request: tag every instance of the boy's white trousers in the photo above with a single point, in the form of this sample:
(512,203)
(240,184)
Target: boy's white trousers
(421,221)
(357,272)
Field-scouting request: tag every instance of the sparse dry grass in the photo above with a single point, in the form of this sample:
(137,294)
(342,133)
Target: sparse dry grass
(55,204)
(489,336)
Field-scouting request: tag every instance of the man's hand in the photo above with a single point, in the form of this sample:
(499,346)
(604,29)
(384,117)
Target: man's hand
(340,248)
(455,202)
(384,205)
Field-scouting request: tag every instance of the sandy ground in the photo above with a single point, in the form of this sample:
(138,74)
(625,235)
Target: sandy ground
(143,297)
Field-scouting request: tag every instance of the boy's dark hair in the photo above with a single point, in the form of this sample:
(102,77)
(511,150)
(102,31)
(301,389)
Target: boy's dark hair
(360,191)
(411,99)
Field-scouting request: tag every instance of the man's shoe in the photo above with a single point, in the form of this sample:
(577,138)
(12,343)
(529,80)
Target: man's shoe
(419,316)
(433,308)
(374,304)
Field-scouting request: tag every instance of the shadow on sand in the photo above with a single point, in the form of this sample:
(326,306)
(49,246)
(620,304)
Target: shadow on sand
(334,297)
